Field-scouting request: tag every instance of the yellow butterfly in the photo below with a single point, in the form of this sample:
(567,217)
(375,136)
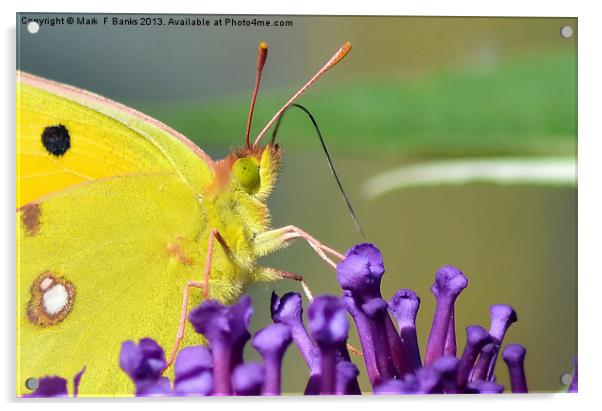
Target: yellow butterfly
(123,224)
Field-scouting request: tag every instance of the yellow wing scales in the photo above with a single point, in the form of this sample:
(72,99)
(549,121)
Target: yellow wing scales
(91,249)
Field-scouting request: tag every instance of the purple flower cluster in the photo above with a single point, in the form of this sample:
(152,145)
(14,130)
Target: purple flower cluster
(392,358)
(55,386)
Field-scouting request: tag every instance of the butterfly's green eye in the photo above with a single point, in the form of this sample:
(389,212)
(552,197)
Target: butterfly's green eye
(246,173)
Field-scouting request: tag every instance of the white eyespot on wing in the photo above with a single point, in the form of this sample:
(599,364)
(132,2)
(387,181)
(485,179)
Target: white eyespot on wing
(55,299)
(52,299)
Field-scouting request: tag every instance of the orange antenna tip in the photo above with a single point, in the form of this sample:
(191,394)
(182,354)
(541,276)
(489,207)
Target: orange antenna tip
(336,57)
(262,54)
(344,50)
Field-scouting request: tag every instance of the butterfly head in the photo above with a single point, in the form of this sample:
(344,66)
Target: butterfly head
(256,170)
(253,170)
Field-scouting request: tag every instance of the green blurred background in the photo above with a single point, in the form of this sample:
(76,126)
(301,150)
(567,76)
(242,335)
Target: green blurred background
(412,89)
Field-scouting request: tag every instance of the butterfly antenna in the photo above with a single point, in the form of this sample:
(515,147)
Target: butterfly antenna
(262,54)
(328,158)
(338,56)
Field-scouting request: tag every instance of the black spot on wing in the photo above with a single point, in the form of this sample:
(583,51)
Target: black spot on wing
(56,139)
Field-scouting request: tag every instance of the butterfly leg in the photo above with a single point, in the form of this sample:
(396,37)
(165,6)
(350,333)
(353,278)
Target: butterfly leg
(273,240)
(213,235)
(182,324)
(272,274)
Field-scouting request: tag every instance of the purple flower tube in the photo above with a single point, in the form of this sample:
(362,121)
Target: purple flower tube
(449,283)
(481,368)
(450,348)
(329,327)
(346,380)
(502,317)
(364,329)
(271,342)
(376,310)
(226,329)
(476,339)
(514,356)
(404,305)
(360,274)
(288,310)
(144,363)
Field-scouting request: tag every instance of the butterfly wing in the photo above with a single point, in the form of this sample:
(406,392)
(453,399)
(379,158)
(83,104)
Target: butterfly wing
(112,226)
(67,136)
(126,254)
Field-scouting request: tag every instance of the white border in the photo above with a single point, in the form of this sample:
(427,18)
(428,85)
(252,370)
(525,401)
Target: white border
(590,173)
